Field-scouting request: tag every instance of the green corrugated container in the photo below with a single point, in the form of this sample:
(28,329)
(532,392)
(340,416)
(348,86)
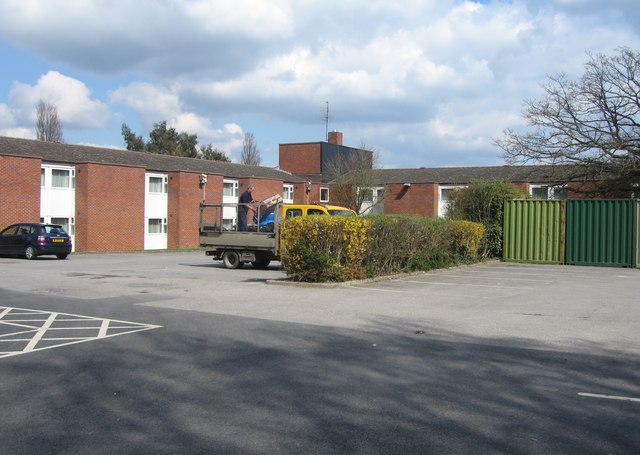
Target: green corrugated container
(602,232)
(636,227)
(534,231)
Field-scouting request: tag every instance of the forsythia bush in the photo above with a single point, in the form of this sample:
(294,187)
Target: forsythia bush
(334,248)
(324,248)
(467,237)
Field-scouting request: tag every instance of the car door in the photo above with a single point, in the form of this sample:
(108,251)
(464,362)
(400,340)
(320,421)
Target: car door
(8,240)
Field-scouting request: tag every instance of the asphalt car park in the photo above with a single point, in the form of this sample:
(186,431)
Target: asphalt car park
(492,358)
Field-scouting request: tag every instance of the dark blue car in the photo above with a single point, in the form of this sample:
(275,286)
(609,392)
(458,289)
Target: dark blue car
(35,239)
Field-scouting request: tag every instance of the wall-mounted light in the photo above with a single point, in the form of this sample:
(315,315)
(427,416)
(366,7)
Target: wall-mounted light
(407,185)
(203,179)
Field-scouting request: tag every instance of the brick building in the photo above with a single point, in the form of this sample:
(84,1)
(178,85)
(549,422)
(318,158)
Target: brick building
(119,200)
(422,191)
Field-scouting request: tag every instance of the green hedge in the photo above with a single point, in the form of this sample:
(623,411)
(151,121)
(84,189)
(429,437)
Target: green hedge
(321,248)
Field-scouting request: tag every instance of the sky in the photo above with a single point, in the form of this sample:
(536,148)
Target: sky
(426,83)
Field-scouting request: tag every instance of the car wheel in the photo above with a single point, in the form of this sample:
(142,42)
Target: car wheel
(62,256)
(30,252)
(231,259)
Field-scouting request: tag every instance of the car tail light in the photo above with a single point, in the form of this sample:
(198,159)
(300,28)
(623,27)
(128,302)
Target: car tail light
(41,239)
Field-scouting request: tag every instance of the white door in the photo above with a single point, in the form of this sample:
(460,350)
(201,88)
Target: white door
(156,211)
(230,195)
(372,200)
(58,197)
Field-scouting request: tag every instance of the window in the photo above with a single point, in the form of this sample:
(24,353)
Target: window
(324,194)
(366,194)
(315,212)
(294,212)
(157,226)
(60,178)
(444,197)
(548,192)
(156,185)
(230,188)
(42,177)
(287,193)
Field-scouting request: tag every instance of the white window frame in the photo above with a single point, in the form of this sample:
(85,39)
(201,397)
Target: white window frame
(325,190)
(235,188)
(164,184)
(287,193)
(552,190)
(442,203)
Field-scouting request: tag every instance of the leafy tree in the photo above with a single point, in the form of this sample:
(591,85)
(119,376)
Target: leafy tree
(592,124)
(250,152)
(132,141)
(48,126)
(167,141)
(483,202)
(208,152)
(352,176)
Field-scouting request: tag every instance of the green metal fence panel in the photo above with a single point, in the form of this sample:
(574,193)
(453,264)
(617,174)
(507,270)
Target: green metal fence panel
(636,229)
(601,232)
(534,231)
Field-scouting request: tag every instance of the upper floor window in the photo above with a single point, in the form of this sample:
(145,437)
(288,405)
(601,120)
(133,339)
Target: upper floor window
(230,188)
(158,184)
(57,177)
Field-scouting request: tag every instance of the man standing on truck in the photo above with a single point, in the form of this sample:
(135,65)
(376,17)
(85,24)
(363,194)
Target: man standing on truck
(245,199)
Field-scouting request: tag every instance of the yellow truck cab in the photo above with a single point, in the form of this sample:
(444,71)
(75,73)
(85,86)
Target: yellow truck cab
(293,210)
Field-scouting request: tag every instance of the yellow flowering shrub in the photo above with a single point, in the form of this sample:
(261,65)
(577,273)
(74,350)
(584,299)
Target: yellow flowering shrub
(324,248)
(334,248)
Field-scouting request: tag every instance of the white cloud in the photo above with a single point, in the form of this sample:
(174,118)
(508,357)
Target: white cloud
(71,97)
(155,104)
(433,78)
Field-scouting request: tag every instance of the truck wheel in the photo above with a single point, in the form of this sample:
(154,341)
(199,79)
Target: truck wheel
(261,263)
(231,259)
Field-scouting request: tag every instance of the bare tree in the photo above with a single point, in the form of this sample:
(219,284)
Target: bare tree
(352,177)
(592,124)
(48,126)
(250,153)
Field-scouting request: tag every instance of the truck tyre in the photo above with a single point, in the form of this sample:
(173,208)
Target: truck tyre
(261,263)
(231,259)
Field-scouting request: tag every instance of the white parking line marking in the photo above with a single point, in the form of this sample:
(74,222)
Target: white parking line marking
(608,397)
(40,333)
(465,284)
(47,326)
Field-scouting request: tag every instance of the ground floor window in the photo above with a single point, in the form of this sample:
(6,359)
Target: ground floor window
(324,194)
(548,191)
(157,225)
(287,194)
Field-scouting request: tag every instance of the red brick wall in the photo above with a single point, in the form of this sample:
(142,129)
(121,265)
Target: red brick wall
(263,188)
(185,195)
(19,190)
(109,208)
(301,158)
(418,199)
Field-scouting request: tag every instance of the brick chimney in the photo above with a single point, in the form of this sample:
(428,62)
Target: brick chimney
(335,137)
